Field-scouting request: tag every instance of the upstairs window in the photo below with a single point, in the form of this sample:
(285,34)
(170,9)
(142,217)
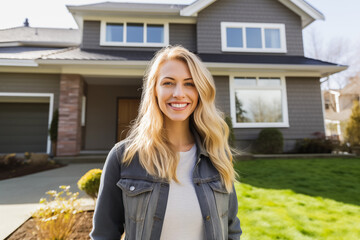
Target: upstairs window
(134,34)
(253,37)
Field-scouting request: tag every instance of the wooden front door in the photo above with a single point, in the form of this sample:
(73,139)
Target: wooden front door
(127,111)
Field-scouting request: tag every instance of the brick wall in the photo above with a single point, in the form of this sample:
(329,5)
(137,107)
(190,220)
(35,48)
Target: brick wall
(69,133)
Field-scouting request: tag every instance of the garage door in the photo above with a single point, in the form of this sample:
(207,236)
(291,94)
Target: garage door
(23,127)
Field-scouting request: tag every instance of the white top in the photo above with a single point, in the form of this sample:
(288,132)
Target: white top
(183,218)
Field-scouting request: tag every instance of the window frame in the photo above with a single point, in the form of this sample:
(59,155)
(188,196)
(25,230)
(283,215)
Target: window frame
(103,41)
(233,87)
(262,26)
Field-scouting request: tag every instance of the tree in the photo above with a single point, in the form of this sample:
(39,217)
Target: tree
(353,126)
(335,50)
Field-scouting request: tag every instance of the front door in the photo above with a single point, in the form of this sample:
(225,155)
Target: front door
(127,111)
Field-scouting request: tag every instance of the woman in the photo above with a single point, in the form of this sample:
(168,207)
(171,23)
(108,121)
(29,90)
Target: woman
(172,177)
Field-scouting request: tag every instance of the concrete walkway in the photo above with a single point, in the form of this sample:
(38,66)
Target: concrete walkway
(19,197)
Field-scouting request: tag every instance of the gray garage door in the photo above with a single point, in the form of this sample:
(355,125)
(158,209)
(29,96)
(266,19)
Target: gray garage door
(23,127)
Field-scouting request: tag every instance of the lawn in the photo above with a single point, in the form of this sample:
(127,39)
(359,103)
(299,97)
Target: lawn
(299,199)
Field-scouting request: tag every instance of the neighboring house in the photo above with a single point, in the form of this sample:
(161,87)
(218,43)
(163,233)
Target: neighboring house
(338,107)
(253,48)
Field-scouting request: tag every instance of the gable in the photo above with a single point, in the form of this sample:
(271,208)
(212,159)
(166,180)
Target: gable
(307,12)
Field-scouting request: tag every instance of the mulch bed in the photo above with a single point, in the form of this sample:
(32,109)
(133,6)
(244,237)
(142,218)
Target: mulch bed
(81,232)
(25,169)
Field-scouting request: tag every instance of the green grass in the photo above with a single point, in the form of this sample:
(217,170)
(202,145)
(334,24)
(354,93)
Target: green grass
(299,199)
(337,179)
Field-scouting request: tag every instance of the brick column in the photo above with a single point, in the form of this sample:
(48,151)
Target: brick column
(69,132)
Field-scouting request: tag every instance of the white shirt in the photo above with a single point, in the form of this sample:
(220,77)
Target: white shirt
(183,219)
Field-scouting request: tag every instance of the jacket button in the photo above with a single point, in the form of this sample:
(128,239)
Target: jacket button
(207,218)
(132,188)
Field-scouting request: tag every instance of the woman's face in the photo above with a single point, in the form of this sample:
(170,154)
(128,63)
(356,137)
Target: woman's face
(175,91)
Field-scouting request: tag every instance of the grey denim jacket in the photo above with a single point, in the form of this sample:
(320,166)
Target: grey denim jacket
(133,201)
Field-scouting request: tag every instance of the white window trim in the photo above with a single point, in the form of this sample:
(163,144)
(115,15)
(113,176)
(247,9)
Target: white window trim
(233,87)
(51,108)
(103,41)
(279,26)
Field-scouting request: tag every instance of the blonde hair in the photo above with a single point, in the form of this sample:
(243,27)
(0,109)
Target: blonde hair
(147,136)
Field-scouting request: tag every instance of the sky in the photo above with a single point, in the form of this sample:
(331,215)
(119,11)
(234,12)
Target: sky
(342,20)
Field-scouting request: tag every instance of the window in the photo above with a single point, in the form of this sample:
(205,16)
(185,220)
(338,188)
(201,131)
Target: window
(134,34)
(258,101)
(253,37)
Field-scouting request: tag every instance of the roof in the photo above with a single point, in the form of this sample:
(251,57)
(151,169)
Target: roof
(127,7)
(263,59)
(307,12)
(29,36)
(75,55)
(29,53)
(353,87)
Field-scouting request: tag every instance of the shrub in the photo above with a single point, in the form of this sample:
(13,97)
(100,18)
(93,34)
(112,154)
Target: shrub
(353,126)
(39,158)
(55,219)
(319,144)
(10,161)
(90,182)
(270,140)
(231,139)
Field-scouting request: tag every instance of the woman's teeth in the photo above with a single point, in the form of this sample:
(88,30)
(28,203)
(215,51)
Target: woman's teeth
(176,105)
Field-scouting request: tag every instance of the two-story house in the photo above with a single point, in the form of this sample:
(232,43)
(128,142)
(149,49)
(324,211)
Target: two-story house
(338,105)
(253,48)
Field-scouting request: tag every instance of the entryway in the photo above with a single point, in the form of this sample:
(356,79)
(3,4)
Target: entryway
(126,112)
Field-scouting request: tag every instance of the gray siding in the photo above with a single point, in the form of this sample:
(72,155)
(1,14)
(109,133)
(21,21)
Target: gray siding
(222,99)
(184,34)
(31,83)
(254,11)
(304,111)
(101,114)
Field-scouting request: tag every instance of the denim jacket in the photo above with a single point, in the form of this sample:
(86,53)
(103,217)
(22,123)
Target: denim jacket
(133,201)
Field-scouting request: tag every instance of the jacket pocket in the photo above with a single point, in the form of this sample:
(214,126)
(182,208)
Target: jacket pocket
(136,196)
(221,197)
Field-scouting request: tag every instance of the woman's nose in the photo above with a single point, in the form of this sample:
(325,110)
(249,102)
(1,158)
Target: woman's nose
(178,91)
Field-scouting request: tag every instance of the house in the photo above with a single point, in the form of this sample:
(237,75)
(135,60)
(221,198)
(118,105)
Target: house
(93,75)
(338,107)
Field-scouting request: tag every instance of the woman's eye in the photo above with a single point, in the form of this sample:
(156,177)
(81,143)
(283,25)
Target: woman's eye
(190,84)
(167,83)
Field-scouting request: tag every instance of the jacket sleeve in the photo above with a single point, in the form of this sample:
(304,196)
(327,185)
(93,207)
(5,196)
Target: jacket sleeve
(108,220)
(234,222)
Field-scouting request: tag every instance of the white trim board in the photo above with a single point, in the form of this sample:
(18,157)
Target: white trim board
(51,107)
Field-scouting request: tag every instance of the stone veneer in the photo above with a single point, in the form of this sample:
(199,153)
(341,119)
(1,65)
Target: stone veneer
(69,131)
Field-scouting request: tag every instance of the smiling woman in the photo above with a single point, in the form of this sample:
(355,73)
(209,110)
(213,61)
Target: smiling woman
(172,177)
(176,92)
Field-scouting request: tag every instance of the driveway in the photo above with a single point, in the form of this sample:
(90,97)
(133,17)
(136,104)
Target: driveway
(19,197)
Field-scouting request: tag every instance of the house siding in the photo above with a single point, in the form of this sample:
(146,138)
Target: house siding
(31,83)
(222,99)
(254,11)
(304,111)
(184,34)
(100,130)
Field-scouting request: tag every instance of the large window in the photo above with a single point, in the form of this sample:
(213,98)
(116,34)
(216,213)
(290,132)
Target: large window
(253,37)
(258,101)
(133,34)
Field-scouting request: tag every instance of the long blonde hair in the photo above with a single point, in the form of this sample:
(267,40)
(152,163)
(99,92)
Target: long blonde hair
(147,136)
